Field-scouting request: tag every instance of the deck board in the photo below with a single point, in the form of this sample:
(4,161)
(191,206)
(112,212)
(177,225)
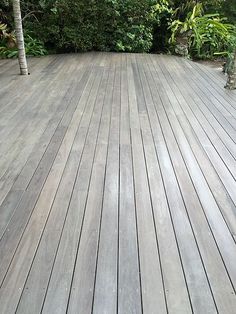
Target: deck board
(117,186)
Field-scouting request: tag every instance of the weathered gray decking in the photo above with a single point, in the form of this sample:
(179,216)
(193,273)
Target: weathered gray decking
(117,186)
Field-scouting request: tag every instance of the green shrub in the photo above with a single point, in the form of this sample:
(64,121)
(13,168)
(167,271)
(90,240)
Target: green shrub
(33,47)
(111,25)
(124,25)
(163,14)
(205,35)
(228,9)
(83,25)
(133,25)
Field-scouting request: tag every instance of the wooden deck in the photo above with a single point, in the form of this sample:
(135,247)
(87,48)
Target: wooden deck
(117,186)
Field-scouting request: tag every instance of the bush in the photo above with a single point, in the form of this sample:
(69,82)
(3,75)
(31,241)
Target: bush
(228,8)
(133,25)
(83,25)
(202,36)
(122,25)
(163,15)
(8,49)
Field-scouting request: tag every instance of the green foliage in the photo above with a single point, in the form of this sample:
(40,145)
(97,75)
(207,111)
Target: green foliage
(83,25)
(7,41)
(3,28)
(163,14)
(133,25)
(213,6)
(182,8)
(120,25)
(124,25)
(228,9)
(188,25)
(33,47)
(207,35)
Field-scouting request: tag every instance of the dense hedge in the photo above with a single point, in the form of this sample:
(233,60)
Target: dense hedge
(82,25)
(107,25)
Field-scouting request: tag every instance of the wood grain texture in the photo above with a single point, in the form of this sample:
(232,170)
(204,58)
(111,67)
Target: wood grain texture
(117,186)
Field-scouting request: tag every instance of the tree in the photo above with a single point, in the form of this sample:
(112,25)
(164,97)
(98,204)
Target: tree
(231,82)
(20,38)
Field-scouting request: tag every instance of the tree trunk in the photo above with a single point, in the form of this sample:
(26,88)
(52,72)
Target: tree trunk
(231,82)
(20,38)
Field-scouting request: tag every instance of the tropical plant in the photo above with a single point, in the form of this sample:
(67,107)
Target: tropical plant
(33,47)
(3,28)
(205,35)
(7,41)
(181,8)
(7,37)
(123,25)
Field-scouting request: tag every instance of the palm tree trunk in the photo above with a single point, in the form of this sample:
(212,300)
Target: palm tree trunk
(20,38)
(231,82)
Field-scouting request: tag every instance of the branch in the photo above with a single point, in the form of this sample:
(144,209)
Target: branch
(31,13)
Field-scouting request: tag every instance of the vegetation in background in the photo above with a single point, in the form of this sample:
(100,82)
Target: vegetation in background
(161,33)
(8,47)
(117,25)
(202,36)
(122,25)
(133,25)
(8,43)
